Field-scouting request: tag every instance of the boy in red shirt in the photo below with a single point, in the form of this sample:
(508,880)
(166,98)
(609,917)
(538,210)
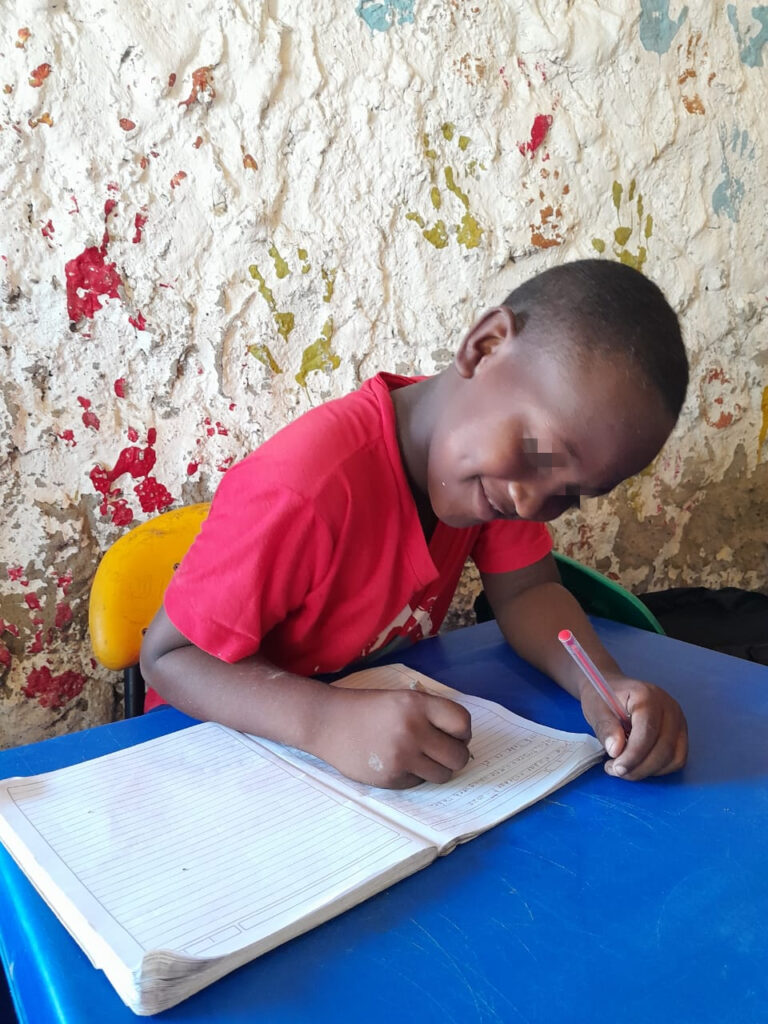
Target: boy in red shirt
(345,534)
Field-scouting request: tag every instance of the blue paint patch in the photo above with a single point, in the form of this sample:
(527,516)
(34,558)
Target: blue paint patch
(657,29)
(751,46)
(728,196)
(380,17)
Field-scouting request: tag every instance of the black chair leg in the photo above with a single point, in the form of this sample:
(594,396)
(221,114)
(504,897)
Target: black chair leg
(133,691)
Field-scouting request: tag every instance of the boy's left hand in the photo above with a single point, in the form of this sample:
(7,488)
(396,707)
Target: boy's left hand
(658,740)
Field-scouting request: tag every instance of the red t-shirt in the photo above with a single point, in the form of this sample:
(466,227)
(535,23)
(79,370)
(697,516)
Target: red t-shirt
(313,553)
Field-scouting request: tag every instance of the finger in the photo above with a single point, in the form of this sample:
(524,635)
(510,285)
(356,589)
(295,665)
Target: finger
(648,738)
(668,756)
(445,750)
(609,731)
(449,717)
(406,781)
(431,771)
(667,752)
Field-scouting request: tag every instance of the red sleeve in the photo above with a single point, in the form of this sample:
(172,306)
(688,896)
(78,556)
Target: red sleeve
(505,545)
(260,553)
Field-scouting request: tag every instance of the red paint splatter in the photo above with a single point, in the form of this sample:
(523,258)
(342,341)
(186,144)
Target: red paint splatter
(119,387)
(39,75)
(177,179)
(68,437)
(127,124)
(64,582)
(153,495)
(249,162)
(138,321)
(89,277)
(5,657)
(224,465)
(63,615)
(16,573)
(23,35)
(136,462)
(503,78)
(32,601)
(48,230)
(198,142)
(36,646)
(109,206)
(90,419)
(112,186)
(133,434)
(77,208)
(192,468)
(539,129)
(138,222)
(171,80)
(53,691)
(202,81)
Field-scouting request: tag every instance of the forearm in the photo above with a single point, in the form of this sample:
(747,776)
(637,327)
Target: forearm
(252,695)
(530,623)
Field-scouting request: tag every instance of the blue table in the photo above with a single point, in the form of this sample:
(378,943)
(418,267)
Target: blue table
(634,902)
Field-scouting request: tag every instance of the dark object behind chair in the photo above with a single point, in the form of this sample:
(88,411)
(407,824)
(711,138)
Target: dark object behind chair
(729,620)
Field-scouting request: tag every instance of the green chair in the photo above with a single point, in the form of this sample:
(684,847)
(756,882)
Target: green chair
(596,594)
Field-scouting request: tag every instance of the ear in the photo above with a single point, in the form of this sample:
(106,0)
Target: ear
(492,330)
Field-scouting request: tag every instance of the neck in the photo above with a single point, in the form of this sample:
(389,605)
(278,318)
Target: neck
(414,417)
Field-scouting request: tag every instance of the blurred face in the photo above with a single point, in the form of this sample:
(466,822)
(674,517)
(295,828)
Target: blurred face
(529,434)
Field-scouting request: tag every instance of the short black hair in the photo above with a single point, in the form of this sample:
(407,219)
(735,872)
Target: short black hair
(607,307)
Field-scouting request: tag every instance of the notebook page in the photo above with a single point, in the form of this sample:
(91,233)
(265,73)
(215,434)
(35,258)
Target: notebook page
(227,846)
(515,763)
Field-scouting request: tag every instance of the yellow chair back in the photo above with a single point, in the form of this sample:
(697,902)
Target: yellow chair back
(130,581)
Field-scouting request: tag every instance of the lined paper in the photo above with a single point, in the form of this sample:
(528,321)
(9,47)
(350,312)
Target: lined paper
(515,762)
(197,842)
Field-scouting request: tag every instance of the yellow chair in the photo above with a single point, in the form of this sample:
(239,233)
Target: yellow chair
(128,589)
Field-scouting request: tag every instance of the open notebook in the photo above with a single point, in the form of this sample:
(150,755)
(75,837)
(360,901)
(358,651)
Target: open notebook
(245,844)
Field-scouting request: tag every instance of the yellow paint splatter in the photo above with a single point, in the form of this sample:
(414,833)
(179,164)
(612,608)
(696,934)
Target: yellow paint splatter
(468,231)
(262,353)
(640,225)
(281,267)
(285,320)
(764,425)
(264,291)
(318,355)
(329,278)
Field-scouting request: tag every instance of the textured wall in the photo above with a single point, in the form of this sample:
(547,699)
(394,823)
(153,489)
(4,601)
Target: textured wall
(218,214)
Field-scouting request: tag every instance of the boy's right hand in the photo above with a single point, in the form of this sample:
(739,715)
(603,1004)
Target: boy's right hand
(394,738)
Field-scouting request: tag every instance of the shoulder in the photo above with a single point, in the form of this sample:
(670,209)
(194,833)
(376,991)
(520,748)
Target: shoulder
(338,439)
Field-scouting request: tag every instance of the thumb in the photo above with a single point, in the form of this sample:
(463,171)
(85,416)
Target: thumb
(610,732)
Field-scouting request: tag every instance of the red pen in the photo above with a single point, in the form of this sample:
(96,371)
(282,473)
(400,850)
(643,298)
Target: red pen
(595,676)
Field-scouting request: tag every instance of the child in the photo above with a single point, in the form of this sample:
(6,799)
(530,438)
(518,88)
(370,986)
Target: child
(346,533)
